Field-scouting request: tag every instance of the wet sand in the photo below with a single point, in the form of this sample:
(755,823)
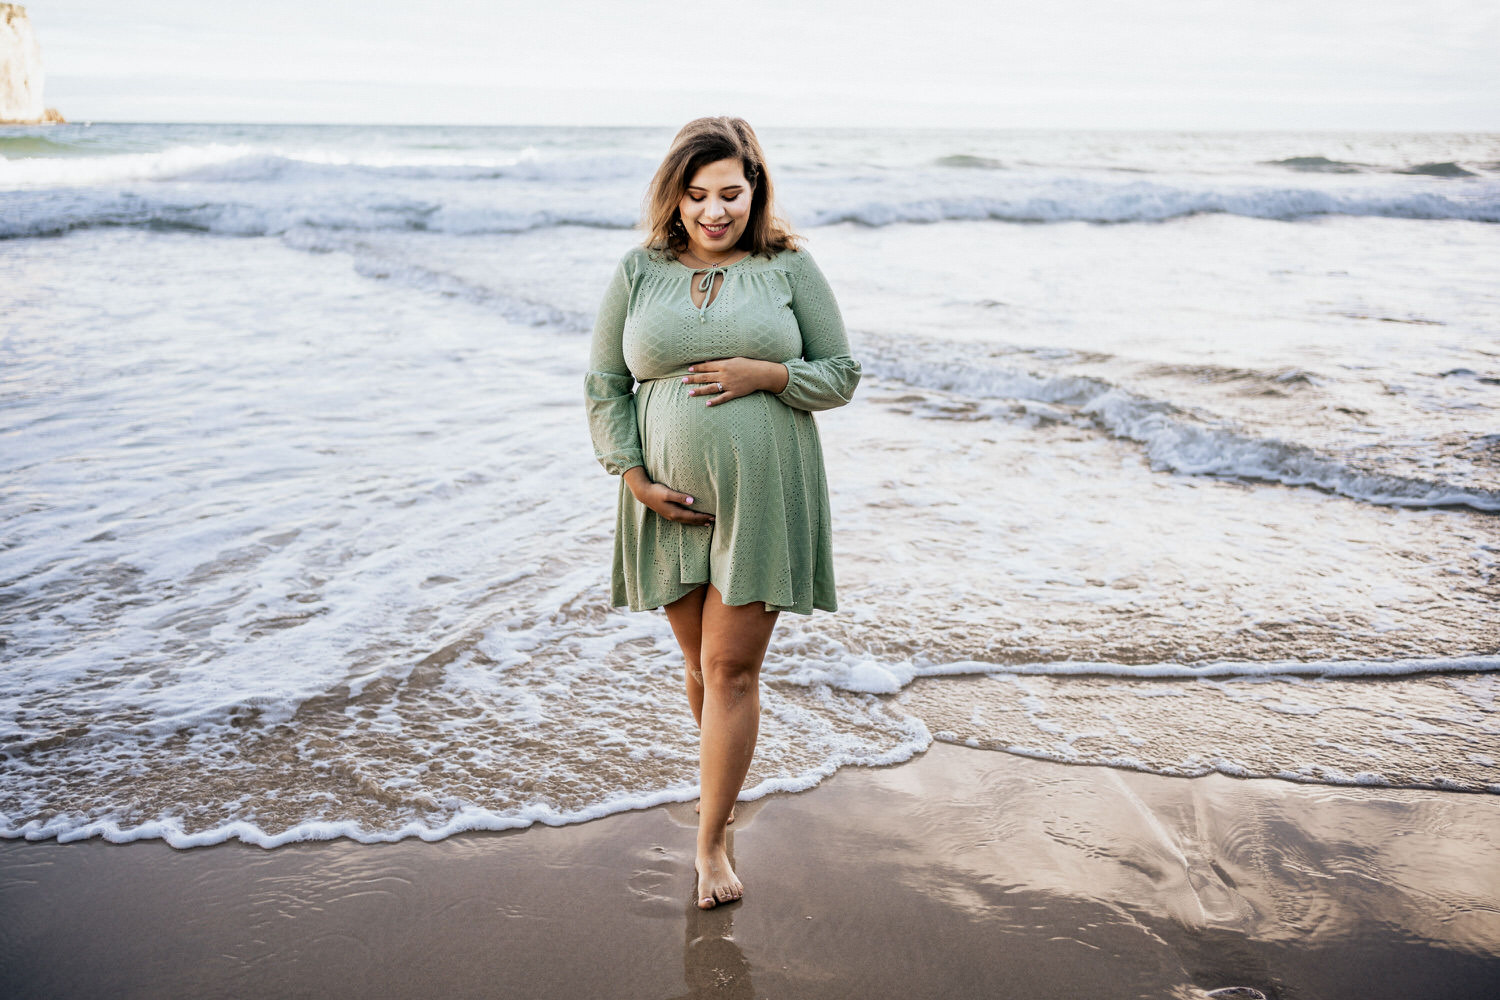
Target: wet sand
(964,873)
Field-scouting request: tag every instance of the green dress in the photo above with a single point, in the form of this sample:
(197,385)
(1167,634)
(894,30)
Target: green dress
(754,462)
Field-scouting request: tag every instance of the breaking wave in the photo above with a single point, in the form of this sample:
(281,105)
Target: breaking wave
(1178,440)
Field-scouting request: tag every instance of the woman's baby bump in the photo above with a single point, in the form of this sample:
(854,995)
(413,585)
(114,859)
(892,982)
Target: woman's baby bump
(701,449)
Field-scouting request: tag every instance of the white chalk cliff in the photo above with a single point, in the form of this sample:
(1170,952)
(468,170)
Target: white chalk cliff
(21,71)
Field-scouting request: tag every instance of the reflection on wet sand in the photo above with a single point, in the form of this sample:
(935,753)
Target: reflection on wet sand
(1055,880)
(712,963)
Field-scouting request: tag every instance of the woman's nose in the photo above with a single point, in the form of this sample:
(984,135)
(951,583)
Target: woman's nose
(713,209)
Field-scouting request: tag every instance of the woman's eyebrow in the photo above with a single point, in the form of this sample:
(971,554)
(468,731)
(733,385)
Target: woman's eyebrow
(727,187)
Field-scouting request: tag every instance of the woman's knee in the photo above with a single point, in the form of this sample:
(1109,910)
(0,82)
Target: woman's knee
(731,672)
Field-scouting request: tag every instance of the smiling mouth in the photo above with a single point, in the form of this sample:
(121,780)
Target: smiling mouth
(714,231)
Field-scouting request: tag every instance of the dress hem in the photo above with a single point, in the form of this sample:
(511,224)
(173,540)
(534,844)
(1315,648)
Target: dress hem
(794,609)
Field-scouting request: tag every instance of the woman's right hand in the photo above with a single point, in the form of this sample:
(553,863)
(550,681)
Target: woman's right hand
(667,502)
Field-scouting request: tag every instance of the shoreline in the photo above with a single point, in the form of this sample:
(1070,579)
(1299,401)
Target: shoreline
(961,872)
(1431,731)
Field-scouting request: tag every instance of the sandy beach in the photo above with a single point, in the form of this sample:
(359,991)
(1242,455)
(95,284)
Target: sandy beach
(1139,449)
(1165,532)
(963,873)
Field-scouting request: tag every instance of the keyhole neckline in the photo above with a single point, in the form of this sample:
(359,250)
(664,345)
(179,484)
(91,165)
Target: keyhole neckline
(705,284)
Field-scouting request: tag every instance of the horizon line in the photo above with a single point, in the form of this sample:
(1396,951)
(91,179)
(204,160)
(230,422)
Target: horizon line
(820,128)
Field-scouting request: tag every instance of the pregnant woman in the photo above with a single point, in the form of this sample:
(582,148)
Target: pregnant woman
(716,341)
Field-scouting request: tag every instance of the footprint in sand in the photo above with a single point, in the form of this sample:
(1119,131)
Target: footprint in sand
(658,871)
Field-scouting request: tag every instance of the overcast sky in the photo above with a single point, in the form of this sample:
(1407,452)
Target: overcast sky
(1248,64)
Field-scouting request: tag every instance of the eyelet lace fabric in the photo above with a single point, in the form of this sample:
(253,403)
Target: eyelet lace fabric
(755,462)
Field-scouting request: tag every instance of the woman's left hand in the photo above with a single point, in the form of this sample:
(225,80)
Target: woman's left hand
(731,378)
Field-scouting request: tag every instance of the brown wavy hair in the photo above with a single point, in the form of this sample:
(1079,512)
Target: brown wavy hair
(700,142)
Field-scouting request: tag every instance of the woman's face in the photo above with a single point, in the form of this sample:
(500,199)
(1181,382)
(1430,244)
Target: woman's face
(716,208)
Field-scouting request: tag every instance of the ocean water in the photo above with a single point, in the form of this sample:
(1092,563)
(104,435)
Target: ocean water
(1175,452)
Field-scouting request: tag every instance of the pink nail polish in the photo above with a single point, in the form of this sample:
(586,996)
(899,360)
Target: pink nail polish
(684,380)
(689,499)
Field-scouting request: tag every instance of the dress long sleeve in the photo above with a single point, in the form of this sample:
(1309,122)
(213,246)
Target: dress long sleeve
(609,385)
(825,376)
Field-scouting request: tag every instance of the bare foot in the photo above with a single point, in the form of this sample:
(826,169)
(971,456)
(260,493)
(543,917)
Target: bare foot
(698,808)
(716,880)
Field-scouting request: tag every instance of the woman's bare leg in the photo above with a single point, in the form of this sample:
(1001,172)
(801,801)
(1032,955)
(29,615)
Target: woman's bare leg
(733,645)
(686,616)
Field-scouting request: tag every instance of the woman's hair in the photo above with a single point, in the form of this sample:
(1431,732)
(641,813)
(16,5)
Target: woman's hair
(703,141)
